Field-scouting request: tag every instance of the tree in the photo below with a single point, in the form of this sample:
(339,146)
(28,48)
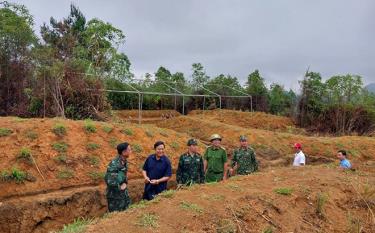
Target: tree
(256,87)
(344,89)
(199,75)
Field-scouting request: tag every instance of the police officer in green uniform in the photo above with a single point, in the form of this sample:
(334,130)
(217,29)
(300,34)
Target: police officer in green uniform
(215,160)
(190,166)
(116,179)
(243,161)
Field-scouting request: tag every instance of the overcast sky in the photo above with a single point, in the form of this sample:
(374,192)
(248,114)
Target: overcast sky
(281,38)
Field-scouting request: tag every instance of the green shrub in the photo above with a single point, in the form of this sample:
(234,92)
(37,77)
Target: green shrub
(25,154)
(92,146)
(30,134)
(107,128)
(89,126)
(5,132)
(59,129)
(128,132)
(283,191)
(65,173)
(137,148)
(5,176)
(321,200)
(60,146)
(18,175)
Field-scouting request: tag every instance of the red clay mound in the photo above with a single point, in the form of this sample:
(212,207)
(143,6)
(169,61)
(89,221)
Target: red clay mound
(310,199)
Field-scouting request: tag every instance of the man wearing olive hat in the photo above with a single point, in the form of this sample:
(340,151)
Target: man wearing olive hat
(116,179)
(190,166)
(243,162)
(215,160)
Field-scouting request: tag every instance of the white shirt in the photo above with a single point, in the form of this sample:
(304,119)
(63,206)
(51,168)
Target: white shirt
(299,158)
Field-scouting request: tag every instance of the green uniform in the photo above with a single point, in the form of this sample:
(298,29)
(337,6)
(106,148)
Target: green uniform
(190,169)
(216,158)
(245,159)
(116,175)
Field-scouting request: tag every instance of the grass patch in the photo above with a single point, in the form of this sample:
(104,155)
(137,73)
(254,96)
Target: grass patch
(60,147)
(137,148)
(15,174)
(321,200)
(175,145)
(65,173)
(149,134)
(93,160)
(92,146)
(59,129)
(148,220)
(233,187)
(168,194)
(5,132)
(226,226)
(78,225)
(128,132)
(60,158)
(113,142)
(283,191)
(19,119)
(139,205)
(30,134)
(191,206)
(107,128)
(95,175)
(25,154)
(268,229)
(89,126)
(164,134)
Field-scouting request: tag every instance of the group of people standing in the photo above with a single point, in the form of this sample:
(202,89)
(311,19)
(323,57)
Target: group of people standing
(193,168)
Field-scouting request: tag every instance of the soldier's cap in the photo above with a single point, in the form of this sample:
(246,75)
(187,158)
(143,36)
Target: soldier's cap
(214,137)
(243,138)
(192,141)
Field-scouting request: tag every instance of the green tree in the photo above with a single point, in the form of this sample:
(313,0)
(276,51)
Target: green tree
(256,87)
(344,89)
(199,75)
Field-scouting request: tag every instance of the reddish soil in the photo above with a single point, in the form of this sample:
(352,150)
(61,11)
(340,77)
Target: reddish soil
(147,117)
(321,200)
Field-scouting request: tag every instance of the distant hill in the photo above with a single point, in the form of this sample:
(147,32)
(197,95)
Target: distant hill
(371,87)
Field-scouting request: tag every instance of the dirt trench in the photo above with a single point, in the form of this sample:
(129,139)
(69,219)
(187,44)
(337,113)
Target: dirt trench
(48,212)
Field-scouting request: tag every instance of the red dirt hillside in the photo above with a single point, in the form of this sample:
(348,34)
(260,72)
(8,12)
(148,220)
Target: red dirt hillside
(309,199)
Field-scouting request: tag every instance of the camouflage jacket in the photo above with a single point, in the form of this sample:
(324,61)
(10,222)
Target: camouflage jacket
(246,161)
(115,176)
(190,169)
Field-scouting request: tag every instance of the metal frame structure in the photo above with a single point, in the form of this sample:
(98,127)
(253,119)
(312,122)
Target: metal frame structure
(178,93)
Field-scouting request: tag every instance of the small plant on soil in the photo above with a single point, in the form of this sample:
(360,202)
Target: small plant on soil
(92,146)
(25,154)
(138,205)
(60,146)
(89,126)
(149,134)
(128,132)
(30,134)
(354,224)
(137,148)
(234,187)
(268,229)
(18,175)
(95,175)
(79,225)
(93,160)
(168,194)
(107,128)
(59,129)
(191,206)
(283,191)
(60,158)
(65,173)
(175,145)
(113,142)
(321,200)
(163,133)
(5,132)
(5,176)
(148,220)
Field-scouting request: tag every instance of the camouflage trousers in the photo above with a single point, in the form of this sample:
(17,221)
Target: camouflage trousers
(120,202)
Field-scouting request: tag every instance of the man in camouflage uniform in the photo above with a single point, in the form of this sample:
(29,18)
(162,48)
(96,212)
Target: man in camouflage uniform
(243,161)
(215,160)
(190,167)
(117,180)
